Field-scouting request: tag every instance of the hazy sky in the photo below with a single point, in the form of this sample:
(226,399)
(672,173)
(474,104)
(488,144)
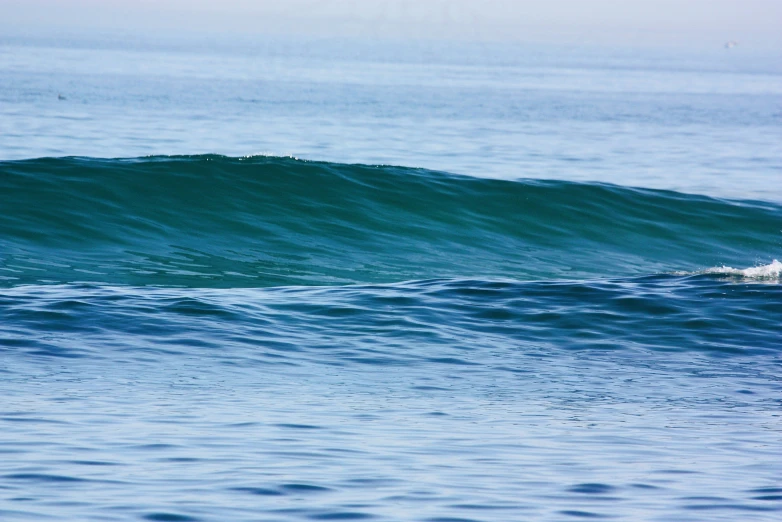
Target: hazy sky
(633,22)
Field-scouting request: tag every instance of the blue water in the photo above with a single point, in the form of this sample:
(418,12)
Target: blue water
(342,280)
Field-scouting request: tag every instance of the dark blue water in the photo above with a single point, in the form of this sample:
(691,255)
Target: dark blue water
(505,284)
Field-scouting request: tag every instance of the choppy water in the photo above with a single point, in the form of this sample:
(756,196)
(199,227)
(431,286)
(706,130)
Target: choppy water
(267,338)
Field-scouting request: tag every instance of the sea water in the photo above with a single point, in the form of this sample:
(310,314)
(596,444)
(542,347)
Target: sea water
(340,280)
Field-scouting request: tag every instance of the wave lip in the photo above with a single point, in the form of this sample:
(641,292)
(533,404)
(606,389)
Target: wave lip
(215,221)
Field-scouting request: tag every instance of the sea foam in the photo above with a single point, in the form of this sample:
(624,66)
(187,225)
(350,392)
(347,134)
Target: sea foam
(771,271)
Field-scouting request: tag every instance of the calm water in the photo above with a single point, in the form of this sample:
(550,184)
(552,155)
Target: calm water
(347,281)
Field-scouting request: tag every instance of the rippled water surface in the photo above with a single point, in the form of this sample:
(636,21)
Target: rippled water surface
(420,401)
(573,312)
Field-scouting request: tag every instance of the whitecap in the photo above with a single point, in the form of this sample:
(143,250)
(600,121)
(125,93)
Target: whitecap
(764,272)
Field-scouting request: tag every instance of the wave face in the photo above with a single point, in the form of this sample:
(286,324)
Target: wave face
(214,221)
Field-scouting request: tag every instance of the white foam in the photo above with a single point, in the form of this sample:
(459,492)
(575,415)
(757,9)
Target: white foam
(770,271)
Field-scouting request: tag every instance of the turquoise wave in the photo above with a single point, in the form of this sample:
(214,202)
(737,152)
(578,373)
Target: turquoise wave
(214,221)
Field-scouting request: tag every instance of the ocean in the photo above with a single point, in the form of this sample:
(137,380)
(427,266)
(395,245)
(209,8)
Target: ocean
(329,279)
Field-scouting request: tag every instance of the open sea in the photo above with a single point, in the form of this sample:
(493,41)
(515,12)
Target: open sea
(297,280)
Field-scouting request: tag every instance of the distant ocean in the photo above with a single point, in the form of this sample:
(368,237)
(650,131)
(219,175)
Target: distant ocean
(335,280)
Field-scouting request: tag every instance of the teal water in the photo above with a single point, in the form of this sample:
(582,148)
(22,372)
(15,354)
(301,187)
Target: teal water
(213,221)
(573,312)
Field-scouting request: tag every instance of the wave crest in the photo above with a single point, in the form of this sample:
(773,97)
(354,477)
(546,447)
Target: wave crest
(772,271)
